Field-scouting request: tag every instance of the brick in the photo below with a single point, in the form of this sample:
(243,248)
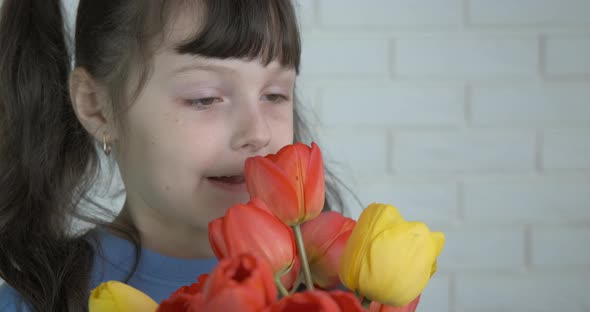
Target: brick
(427,202)
(362,153)
(335,57)
(454,152)
(481,57)
(561,247)
(523,292)
(527,201)
(390,13)
(546,104)
(476,249)
(305,12)
(436,295)
(393,106)
(566,149)
(567,56)
(529,12)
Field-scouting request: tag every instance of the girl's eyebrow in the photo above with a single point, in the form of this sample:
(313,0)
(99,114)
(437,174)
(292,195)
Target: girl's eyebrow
(203,67)
(212,67)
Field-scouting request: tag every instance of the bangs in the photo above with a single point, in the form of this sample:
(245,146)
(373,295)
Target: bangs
(245,29)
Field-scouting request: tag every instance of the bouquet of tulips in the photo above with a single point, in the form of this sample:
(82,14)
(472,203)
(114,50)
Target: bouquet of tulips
(281,241)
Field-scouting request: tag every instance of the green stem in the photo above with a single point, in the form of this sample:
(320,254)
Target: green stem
(282,290)
(365,303)
(359,296)
(297,283)
(303,257)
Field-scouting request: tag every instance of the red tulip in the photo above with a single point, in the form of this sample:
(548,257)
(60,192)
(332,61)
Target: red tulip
(325,238)
(310,301)
(410,307)
(288,280)
(242,283)
(252,228)
(182,298)
(291,182)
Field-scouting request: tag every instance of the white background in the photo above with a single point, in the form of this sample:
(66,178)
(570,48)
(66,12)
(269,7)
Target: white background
(474,117)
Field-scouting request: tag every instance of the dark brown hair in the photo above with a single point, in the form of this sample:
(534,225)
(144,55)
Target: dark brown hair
(47,159)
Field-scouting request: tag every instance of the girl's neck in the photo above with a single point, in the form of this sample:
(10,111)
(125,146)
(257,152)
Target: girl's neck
(187,244)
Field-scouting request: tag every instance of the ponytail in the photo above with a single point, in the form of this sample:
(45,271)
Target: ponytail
(44,154)
(48,161)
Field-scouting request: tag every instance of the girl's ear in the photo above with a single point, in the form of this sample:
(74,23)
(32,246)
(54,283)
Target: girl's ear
(91,104)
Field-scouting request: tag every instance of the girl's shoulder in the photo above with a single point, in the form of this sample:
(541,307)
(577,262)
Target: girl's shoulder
(10,300)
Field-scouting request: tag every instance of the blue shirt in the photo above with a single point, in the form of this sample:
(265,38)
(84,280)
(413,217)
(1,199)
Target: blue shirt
(157,275)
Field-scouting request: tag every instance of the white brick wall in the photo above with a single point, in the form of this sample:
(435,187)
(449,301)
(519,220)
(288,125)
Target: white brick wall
(471,115)
(537,291)
(528,12)
(566,149)
(567,55)
(390,13)
(466,151)
(465,56)
(563,104)
(334,57)
(385,106)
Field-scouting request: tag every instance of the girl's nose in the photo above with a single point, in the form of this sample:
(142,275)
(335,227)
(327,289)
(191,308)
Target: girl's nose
(252,132)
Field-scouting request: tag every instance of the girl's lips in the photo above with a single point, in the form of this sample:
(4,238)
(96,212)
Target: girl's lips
(230,183)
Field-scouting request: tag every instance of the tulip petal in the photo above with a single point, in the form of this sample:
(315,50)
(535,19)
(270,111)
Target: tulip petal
(410,307)
(324,238)
(117,296)
(399,264)
(266,181)
(318,301)
(288,279)
(293,160)
(184,296)
(346,301)
(312,301)
(247,228)
(324,270)
(320,233)
(246,274)
(382,217)
(260,204)
(231,299)
(374,219)
(314,185)
(216,239)
(439,240)
(241,283)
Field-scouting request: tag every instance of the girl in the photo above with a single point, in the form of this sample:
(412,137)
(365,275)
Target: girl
(178,93)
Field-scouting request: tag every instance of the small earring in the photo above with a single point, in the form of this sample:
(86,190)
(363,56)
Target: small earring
(106,147)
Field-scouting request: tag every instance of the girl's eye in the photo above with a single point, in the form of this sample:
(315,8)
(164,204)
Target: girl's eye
(202,102)
(275,98)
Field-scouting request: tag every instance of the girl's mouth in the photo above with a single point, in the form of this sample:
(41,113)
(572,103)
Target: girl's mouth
(230,183)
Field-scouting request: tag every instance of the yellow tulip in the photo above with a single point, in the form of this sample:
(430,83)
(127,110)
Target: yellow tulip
(387,259)
(115,296)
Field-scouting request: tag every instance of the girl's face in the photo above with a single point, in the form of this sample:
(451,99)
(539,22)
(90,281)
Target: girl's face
(191,129)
